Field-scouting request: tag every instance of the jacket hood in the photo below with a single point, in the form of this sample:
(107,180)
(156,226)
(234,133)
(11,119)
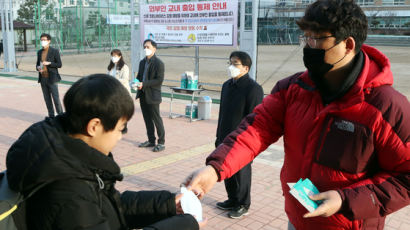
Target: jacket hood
(45,153)
(375,72)
(376,67)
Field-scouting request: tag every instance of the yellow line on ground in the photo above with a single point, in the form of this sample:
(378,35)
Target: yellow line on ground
(165,160)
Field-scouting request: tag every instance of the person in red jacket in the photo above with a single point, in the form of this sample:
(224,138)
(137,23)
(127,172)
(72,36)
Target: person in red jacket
(343,125)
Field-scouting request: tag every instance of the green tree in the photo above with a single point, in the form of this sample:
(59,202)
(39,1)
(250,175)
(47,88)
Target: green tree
(92,23)
(28,9)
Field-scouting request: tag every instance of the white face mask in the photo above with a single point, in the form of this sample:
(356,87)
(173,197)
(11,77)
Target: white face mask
(115,59)
(148,52)
(44,43)
(233,71)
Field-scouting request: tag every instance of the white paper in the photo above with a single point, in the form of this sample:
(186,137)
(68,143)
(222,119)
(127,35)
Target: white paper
(190,204)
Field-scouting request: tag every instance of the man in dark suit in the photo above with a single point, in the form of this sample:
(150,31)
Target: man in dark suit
(151,75)
(48,62)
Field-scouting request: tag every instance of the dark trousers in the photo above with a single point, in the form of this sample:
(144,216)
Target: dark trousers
(50,90)
(152,117)
(238,186)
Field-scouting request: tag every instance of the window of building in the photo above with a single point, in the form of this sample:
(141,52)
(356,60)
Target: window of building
(306,2)
(248,15)
(365,2)
(393,2)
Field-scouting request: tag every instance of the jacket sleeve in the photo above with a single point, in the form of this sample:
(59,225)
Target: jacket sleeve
(38,64)
(180,222)
(255,97)
(254,134)
(38,59)
(125,75)
(140,70)
(144,208)
(389,189)
(218,140)
(157,76)
(56,62)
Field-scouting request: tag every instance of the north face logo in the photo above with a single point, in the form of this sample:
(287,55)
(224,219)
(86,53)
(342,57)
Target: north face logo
(345,125)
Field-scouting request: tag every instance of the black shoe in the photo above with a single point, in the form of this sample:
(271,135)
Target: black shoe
(158,148)
(226,205)
(238,212)
(146,144)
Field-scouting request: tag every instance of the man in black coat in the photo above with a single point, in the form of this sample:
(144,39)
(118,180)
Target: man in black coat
(151,75)
(70,157)
(240,94)
(48,62)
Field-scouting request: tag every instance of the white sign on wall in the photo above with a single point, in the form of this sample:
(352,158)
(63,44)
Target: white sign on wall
(118,19)
(194,23)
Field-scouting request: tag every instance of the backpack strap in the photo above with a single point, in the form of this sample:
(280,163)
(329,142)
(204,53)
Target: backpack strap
(13,197)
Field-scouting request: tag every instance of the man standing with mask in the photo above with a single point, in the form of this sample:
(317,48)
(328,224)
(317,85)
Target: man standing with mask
(151,75)
(343,125)
(239,96)
(48,62)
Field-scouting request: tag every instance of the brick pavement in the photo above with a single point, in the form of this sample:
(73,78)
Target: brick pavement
(187,145)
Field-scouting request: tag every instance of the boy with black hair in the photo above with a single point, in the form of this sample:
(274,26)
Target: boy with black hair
(343,125)
(70,156)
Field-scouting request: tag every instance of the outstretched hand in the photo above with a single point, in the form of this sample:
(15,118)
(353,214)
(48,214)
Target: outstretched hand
(201,181)
(332,202)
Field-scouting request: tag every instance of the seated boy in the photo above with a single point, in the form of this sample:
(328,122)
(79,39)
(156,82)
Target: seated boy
(71,155)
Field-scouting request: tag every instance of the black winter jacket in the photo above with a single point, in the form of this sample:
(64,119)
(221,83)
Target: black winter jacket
(79,192)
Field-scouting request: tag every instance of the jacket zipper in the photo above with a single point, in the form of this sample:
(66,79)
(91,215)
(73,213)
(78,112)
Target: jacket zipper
(323,134)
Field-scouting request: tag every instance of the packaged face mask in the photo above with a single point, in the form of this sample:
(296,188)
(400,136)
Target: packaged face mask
(190,204)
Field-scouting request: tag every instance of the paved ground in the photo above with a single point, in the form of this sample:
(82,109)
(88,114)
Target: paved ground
(187,146)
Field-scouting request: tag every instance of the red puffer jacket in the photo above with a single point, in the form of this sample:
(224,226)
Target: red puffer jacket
(358,145)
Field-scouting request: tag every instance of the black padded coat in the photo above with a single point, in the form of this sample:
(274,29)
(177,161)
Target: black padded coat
(79,192)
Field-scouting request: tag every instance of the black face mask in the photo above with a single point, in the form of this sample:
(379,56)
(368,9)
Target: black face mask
(314,60)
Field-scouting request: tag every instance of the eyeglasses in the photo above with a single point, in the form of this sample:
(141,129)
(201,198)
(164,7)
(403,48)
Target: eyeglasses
(125,129)
(234,64)
(312,42)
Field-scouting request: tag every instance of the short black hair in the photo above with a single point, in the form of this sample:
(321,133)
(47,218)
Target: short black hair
(243,57)
(342,18)
(153,43)
(96,96)
(48,36)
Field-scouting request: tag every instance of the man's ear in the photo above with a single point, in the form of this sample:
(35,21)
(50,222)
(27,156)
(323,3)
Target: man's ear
(93,127)
(247,69)
(350,45)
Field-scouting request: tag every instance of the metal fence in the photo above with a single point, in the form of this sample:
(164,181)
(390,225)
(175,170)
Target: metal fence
(82,25)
